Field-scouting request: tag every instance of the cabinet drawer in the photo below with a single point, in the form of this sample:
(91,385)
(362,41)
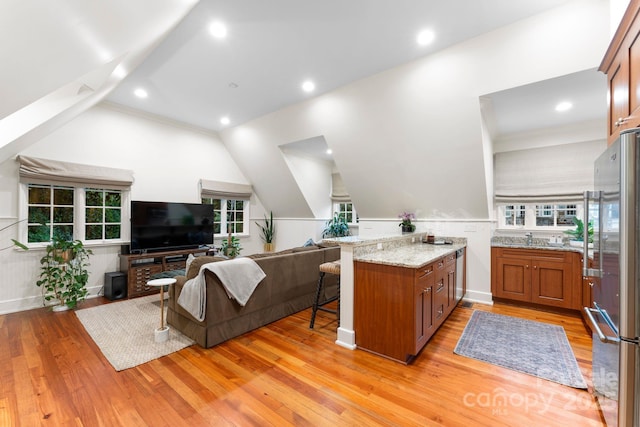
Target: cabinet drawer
(424,271)
(450,259)
(547,255)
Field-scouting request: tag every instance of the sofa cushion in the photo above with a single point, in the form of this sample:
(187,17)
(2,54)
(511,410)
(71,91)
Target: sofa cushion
(198,262)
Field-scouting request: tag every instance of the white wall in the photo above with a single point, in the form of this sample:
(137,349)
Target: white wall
(167,159)
(313,177)
(410,138)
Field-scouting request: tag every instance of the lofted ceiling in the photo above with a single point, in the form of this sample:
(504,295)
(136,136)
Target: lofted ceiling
(62,59)
(272,47)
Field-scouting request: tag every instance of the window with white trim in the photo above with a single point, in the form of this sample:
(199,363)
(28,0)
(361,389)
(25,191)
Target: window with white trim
(347,211)
(531,216)
(74,213)
(229,215)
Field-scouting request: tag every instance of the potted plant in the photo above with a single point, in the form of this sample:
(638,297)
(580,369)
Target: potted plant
(407,226)
(577,234)
(231,247)
(336,226)
(64,274)
(268,231)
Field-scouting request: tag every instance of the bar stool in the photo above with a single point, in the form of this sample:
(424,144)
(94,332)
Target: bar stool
(331,268)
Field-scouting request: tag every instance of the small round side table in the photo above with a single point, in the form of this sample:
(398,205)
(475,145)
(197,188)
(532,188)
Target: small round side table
(162,333)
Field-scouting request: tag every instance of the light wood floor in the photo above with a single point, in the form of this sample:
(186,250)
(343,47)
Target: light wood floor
(52,374)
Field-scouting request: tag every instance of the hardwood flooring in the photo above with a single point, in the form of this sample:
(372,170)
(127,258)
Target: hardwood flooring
(53,374)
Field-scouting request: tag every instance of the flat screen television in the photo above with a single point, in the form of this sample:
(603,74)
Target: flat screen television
(162,226)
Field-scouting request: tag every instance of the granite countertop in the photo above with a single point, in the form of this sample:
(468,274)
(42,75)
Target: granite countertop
(521,243)
(414,255)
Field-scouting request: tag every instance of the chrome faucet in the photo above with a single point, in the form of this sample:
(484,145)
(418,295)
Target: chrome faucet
(529,236)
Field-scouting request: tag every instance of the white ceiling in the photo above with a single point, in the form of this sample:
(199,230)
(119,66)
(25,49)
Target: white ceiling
(532,107)
(272,46)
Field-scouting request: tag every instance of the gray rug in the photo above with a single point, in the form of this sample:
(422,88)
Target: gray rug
(534,348)
(124,331)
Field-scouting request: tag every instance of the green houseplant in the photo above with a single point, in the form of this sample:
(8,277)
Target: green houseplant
(578,233)
(63,273)
(231,247)
(336,226)
(407,226)
(268,232)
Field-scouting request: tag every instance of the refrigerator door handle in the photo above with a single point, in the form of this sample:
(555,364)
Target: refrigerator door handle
(586,271)
(596,327)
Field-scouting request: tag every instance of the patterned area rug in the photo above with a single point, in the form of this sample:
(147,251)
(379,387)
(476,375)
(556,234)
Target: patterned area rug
(534,348)
(124,331)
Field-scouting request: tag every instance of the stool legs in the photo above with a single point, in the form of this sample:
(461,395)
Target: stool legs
(317,305)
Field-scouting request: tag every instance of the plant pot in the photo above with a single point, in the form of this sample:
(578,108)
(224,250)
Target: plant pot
(579,244)
(61,307)
(66,255)
(406,229)
(269,247)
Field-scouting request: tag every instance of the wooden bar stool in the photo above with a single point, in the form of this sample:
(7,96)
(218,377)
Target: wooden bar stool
(331,268)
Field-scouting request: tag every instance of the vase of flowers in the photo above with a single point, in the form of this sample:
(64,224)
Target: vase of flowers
(407,226)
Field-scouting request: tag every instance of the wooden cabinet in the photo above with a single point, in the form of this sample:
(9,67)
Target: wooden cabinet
(141,267)
(621,64)
(543,277)
(423,298)
(398,309)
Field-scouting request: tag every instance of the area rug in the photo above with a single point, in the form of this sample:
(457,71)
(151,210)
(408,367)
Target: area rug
(124,331)
(534,348)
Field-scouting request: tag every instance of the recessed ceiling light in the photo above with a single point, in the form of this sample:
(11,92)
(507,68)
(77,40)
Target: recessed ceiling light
(218,30)
(119,71)
(308,86)
(225,120)
(564,106)
(329,151)
(140,93)
(425,37)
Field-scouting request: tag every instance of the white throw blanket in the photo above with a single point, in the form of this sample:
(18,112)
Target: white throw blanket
(239,276)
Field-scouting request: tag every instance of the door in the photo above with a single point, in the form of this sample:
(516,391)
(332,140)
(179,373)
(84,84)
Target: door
(514,278)
(551,283)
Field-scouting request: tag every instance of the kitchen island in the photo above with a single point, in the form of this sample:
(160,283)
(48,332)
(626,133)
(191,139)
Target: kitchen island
(396,292)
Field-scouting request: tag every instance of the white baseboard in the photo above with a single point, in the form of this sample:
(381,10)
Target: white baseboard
(479,297)
(32,302)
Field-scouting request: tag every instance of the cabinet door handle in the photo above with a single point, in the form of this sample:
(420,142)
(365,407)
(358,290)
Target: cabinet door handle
(427,290)
(591,284)
(526,266)
(620,121)
(535,267)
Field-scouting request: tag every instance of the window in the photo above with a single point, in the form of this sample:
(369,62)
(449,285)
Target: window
(514,215)
(50,213)
(229,215)
(346,210)
(67,212)
(532,216)
(103,214)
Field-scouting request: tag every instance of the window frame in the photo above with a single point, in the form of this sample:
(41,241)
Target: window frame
(79,213)
(223,216)
(531,212)
(354,215)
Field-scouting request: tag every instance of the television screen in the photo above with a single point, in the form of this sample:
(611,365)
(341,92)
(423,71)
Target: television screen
(159,226)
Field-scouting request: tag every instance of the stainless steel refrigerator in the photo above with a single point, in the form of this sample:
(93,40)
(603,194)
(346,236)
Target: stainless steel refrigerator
(614,209)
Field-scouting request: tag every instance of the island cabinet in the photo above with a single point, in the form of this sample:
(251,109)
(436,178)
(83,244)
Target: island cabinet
(397,309)
(621,64)
(536,276)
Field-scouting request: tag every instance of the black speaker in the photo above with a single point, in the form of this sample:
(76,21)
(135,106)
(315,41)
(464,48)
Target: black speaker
(115,285)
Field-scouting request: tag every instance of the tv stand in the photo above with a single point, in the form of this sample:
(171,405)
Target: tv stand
(140,268)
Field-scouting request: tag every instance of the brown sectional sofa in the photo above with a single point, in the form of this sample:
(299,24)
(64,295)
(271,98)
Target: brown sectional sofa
(289,286)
